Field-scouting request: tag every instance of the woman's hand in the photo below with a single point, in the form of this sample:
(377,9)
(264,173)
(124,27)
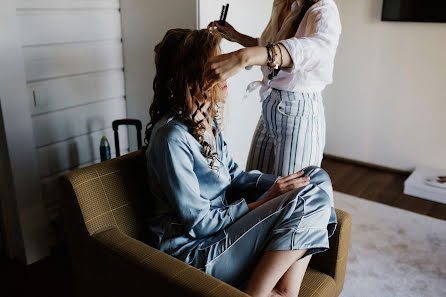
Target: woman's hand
(286,184)
(233,35)
(281,186)
(226,30)
(220,68)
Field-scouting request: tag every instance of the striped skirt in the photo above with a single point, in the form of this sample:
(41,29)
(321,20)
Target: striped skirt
(290,134)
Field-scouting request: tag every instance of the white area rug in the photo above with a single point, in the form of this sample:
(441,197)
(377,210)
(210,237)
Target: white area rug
(393,252)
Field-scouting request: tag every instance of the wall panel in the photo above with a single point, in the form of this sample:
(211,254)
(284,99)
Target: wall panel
(67,26)
(73,60)
(53,61)
(69,154)
(66,4)
(66,92)
(68,123)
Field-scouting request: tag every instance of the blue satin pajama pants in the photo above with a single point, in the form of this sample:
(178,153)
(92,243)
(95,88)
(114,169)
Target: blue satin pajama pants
(297,220)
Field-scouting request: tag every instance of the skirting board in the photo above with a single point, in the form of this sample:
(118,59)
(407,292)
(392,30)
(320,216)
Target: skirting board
(366,164)
(415,185)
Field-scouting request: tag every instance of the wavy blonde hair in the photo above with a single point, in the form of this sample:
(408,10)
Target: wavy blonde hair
(295,25)
(180,60)
(290,24)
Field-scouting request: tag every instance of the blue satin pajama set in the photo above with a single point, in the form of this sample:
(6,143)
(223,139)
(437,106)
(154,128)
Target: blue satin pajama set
(200,215)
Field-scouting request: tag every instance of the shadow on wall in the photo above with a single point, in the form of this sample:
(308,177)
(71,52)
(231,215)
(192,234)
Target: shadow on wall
(73,154)
(91,123)
(373,12)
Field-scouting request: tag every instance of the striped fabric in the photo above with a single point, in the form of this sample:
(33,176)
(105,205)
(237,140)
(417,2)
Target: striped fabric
(290,134)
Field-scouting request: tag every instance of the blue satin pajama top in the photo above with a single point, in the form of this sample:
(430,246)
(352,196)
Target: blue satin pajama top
(189,202)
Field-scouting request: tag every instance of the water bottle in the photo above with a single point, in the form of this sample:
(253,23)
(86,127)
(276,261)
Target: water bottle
(104,149)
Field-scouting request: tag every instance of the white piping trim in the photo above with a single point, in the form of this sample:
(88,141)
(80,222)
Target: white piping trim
(297,197)
(258,179)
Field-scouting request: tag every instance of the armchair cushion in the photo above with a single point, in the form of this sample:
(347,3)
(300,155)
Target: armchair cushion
(333,262)
(145,269)
(136,264)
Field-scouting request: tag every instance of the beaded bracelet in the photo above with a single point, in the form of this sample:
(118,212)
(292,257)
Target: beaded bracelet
(270,55)
(272,63)
(281,56)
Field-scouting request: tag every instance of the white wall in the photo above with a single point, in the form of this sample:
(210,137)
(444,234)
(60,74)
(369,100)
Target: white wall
(144,23)
(73,64)
(242,110)
(23,220)
(387,105)
(70,55)
(73,61)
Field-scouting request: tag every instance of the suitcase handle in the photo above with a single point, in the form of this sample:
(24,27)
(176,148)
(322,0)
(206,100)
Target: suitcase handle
(133,122)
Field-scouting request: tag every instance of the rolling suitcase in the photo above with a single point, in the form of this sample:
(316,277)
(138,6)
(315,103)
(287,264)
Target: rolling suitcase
(127,122)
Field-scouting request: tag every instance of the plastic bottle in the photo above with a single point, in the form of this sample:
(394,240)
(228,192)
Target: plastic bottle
(104,149)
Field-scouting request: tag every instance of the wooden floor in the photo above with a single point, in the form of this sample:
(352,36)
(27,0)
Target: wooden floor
(53,277)
(378,185)
(50,277)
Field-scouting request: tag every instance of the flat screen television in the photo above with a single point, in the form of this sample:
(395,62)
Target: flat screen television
(414,10)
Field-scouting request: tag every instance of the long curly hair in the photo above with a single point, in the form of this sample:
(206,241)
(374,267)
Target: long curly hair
(180,59)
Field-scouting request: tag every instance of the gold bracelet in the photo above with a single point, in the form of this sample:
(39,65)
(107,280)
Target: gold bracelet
(276,56)
(274,66)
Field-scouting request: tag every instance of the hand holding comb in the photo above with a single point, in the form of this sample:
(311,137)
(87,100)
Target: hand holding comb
(224,14)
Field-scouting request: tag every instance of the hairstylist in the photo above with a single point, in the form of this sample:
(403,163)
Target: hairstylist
(296,52)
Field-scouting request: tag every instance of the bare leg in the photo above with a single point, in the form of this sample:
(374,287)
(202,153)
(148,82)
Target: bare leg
(271,268)
(289,284)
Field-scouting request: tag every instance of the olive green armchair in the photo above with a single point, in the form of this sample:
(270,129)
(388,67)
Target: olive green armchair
(103,206)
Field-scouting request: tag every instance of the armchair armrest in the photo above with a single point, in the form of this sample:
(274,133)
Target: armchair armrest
(334,261)
(132,268)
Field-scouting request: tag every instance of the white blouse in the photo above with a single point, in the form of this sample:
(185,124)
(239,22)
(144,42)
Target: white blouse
(312,49)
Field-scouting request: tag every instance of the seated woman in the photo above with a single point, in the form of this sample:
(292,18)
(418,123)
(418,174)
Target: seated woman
(260,243)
